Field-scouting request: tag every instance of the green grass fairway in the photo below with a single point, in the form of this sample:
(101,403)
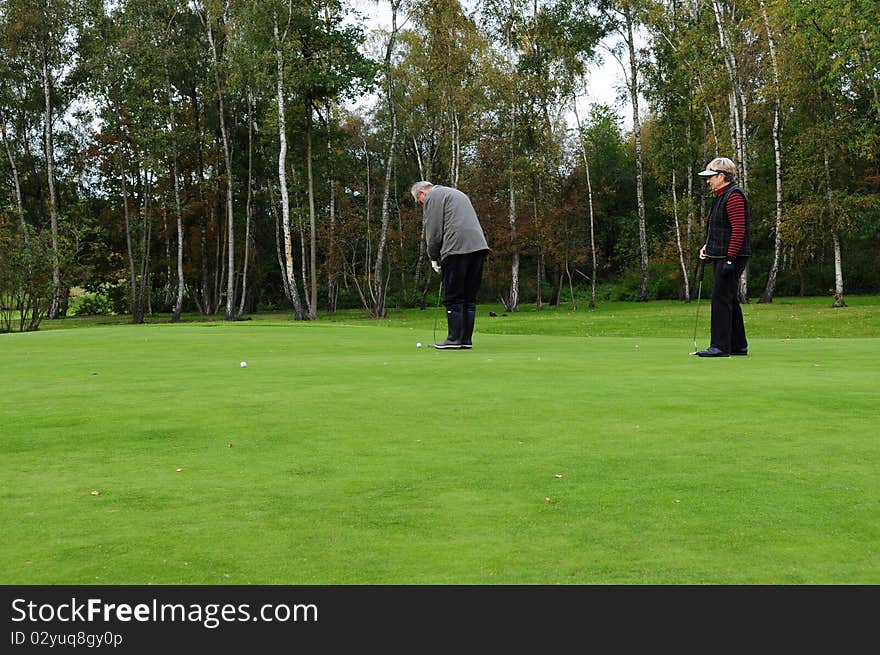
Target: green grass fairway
(568,447)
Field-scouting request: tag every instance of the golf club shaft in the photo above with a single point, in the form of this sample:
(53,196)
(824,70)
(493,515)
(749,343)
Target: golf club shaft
(437,312)
(699,276)
(697,315)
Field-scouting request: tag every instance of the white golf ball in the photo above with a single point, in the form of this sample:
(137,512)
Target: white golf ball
(419,344)
(243,364)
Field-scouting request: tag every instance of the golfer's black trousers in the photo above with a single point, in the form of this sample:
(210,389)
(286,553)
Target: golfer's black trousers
(728,331)
(462,275)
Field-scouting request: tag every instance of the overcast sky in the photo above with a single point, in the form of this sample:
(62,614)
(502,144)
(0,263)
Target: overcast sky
(604,79)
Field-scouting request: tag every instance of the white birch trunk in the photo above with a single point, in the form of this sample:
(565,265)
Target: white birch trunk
(838,260)
(422,246)
(419,158)
(368,217)
(54,307)
(332,272)
(738,123)
(290,278)
(590,203)
(19,205)
(866,58)
(303,255)
(456,150)
(178,304)
(247,210)
(770,289)
(512,301)
(313,232)
(378,309)
(230,232)
(681,257)
(736,98)
(143,299)
(838,273)
(637,133)
(128,246)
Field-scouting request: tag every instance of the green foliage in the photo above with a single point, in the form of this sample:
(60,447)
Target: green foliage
(482,100)
(92,304)
(664,283)
(26,284)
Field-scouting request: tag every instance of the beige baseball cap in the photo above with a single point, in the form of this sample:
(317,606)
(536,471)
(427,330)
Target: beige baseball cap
(719,165)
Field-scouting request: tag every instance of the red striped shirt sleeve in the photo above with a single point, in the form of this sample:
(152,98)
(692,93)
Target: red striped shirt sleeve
(736,212)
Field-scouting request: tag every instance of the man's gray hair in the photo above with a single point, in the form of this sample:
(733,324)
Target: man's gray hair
(418,186)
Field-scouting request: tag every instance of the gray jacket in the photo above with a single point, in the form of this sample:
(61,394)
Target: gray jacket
(451,224)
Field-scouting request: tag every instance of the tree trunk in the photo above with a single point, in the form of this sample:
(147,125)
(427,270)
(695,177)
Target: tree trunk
(637,133)
(737,99)
(303,257)
(681,257)
(379,293)
(279,250)
(313,233)
(332,256)
(247,213)
(689,242)
(54,306)
(19,205)
(590,203)
(455,164)
(203,221)
(227,156)
(738,125)
(511,303)
(290,278)
(142,295)
(178,304)
(838,261)
(770,289)
(838,273)
(126,215)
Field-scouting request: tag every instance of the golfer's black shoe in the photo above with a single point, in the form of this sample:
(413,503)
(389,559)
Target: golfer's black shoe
(467,327)
(447,345)
(712,351)
(740,353)
(455,323)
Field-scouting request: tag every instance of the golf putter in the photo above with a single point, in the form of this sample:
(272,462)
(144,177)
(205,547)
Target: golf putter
(698,275)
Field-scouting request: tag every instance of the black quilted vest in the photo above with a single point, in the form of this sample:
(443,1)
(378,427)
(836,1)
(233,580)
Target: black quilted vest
(718,227)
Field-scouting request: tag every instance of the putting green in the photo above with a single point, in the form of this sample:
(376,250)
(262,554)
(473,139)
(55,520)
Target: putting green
(343,454)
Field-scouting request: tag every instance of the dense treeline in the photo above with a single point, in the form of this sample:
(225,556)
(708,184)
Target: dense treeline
(218,155)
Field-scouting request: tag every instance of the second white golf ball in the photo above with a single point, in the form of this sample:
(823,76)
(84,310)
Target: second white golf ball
(244,364)
(419,344)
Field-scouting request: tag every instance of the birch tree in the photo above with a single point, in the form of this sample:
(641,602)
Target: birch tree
(212,13)
(289,277)
(583,149)
(624,14)
(769,290)
(379,289)
(738,108)
(39,38)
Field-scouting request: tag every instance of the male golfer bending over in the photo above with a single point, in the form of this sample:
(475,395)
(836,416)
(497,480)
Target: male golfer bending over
(457,247)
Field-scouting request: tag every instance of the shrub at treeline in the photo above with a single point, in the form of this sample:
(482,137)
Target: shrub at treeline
(225,157)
